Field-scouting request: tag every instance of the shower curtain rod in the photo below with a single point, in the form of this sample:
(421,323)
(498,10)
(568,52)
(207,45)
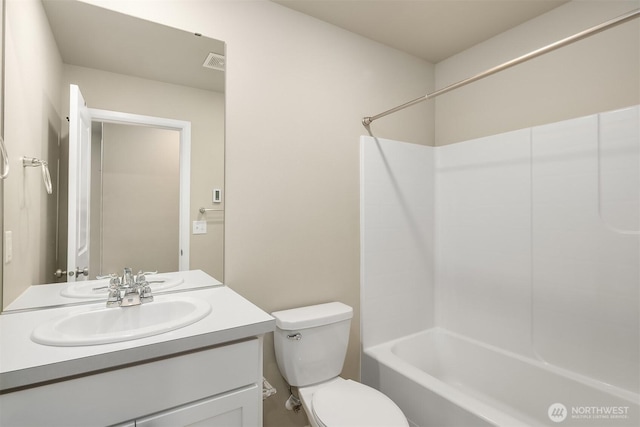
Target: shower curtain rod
(366,121)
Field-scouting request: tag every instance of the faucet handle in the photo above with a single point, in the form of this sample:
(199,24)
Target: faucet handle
(140,277)
(114,283)
(114,299)
(145,289)
(145,294)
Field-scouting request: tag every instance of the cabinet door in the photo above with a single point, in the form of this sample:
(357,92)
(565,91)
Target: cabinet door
(235,409)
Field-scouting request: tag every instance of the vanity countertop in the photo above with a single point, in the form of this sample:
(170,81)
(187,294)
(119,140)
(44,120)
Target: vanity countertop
(25,363)
(49,295)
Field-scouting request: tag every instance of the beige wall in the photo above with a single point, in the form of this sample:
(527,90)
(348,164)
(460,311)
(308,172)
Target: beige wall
(297,89)
(204,109)
(140,198)
(593,75)
(33,71)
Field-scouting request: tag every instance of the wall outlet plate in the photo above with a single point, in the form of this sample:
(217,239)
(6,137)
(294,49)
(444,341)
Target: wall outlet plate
(199,227)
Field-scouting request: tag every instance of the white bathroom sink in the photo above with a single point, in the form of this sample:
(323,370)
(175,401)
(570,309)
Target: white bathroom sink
(96,324)
(99,288)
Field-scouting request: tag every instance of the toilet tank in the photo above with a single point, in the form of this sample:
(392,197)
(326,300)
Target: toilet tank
(311,342)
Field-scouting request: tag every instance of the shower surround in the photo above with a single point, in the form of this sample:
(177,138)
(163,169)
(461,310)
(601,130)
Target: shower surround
(522,245)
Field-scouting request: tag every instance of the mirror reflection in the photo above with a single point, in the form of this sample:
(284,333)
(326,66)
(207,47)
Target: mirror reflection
(129,183)
(139,170)
(125,65)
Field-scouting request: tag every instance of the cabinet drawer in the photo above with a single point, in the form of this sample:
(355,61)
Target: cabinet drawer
(129,393)
(235,409)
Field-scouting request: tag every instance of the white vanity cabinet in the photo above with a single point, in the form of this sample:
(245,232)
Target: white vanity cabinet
(216,386)
(206,373)
(234,409)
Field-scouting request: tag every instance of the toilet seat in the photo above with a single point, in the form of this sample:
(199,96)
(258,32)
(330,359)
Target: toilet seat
(349,403)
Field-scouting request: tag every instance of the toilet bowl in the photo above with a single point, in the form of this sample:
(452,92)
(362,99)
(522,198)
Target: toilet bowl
(311,345)
(341,402)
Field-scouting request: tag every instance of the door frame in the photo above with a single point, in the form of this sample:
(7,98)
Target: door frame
(184,128)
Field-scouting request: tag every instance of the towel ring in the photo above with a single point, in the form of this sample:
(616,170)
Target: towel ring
(5,159)
(46,177)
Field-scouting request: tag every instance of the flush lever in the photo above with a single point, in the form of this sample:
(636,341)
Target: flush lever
(297,336)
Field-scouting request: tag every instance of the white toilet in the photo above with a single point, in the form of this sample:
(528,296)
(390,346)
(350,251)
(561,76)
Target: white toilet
(311,344)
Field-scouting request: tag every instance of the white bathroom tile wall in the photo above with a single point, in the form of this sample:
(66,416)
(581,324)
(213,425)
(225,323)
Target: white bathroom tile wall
(618,169)
(483,205)
(586,257)
(396,239)
(538,242)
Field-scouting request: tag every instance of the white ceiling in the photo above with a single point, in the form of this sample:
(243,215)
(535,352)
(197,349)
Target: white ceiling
(93,37)
(430,29)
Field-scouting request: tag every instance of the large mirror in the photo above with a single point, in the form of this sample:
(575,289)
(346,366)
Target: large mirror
(122,66)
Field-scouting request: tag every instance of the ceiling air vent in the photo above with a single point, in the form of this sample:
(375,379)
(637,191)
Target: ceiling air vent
(214,61)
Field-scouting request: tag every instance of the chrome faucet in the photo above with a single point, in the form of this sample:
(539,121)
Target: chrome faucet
(127,277)
(128,291)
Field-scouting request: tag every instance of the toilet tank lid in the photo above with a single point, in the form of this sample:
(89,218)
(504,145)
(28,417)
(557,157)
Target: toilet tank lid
(312,316)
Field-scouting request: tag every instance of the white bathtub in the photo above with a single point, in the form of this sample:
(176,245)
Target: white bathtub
(439,378)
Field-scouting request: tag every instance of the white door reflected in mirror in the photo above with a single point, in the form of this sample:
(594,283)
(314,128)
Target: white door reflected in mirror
(78,242)
(126,215)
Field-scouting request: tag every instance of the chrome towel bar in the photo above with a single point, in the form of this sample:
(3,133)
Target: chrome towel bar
(205,210)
